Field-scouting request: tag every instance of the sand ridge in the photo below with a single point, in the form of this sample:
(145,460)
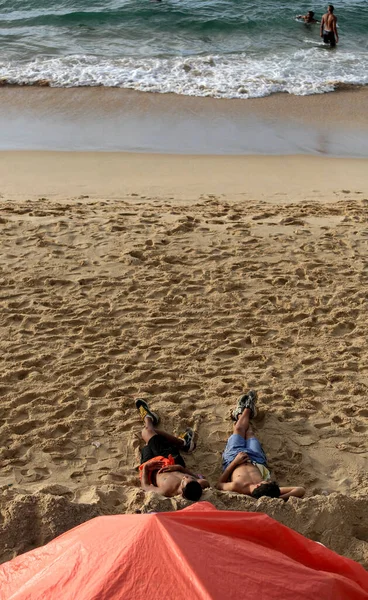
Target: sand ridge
(31,520)
(186,303)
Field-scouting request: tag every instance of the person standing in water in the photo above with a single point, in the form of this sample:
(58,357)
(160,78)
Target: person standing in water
(328,27)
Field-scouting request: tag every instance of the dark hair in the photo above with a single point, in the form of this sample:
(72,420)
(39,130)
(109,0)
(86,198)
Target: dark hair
(331,7)
(192,491)
(270,489)
(311,13)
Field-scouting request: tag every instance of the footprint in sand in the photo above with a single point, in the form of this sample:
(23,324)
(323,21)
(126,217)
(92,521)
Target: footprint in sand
(343,328)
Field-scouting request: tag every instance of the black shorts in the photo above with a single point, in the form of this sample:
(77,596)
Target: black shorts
(329,38)
(159,446)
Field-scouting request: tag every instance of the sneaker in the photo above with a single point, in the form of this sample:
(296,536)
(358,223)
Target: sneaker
(246,401)
(189,440)
(144,411)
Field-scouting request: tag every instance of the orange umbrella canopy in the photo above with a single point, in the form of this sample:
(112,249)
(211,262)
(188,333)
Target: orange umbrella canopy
(196,553)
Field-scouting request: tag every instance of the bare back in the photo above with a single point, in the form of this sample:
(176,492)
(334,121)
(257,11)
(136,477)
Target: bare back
(328,22)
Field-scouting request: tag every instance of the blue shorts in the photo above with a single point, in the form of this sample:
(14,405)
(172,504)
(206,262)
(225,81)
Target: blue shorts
(236,443)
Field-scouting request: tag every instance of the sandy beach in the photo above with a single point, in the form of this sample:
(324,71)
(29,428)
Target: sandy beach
(184,280)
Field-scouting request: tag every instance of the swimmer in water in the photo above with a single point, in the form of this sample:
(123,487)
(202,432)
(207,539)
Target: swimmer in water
(308,18)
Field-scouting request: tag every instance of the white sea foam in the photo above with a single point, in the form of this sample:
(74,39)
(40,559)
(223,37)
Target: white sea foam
(312,71)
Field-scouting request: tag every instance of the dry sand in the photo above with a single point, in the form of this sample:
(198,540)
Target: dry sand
(186,281)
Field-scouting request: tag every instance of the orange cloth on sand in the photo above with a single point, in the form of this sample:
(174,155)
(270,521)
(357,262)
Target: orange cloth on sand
(166,462)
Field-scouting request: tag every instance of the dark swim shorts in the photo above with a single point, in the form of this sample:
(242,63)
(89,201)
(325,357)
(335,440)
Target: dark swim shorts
(159,446)
(329,38)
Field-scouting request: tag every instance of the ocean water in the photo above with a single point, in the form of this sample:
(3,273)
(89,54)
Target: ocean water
(223,49)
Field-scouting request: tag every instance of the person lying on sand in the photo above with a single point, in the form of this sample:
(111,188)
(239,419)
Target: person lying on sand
(244,464)
(162,468)
(308,18)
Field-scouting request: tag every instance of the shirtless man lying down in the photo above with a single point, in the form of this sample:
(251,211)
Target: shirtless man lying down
(245,469)
(162,467)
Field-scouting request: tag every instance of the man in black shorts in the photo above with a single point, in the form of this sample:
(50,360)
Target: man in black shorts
(162,467)
(328,27)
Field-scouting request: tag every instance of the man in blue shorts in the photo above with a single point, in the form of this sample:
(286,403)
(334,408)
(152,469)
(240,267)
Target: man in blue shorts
(245,469)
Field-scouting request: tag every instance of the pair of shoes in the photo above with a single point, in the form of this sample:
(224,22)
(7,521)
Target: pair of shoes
(246,401)
(188,436)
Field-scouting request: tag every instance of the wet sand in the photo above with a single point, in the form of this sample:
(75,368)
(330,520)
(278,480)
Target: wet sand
(110,119)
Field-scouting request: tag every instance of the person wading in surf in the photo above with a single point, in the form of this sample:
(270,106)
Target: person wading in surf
(328,27)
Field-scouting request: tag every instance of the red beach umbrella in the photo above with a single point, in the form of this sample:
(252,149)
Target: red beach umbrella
(197,553)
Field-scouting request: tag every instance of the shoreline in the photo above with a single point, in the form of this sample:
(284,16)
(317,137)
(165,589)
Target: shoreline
(114,119)
(45,83)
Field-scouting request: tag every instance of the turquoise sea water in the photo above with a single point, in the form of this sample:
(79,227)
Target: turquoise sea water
(229,49)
